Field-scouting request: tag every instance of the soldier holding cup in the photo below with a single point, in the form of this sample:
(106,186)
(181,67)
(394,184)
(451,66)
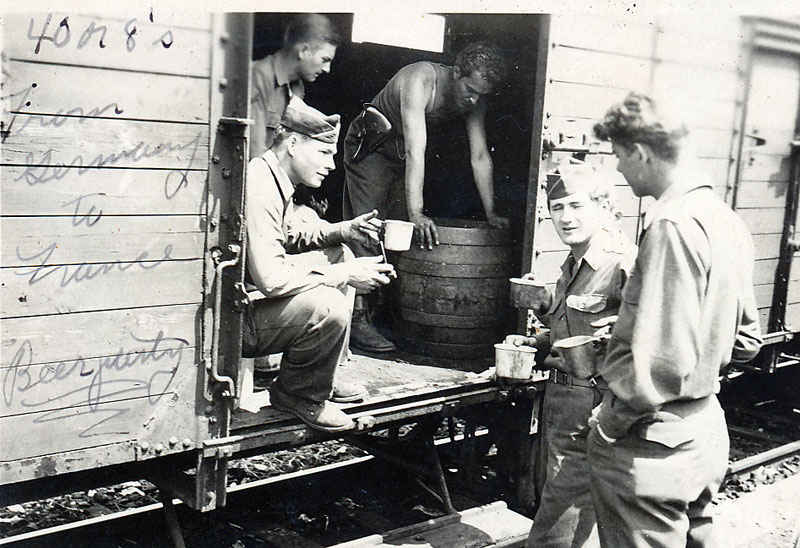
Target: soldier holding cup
(588,290)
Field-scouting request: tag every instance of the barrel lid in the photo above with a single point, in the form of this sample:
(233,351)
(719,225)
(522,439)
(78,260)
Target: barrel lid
(470,232)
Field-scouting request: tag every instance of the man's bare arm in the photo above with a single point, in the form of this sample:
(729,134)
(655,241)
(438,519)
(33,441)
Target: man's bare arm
(413,100)
(481,162)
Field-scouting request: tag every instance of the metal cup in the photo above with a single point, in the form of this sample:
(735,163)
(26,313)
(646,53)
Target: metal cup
(514,362)
(529,294)
(397,235)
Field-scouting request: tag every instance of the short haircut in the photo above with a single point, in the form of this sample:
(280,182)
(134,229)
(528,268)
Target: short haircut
(604,197)
(486,58)
(637,120)
(600,190)
(282,134)
(308,27)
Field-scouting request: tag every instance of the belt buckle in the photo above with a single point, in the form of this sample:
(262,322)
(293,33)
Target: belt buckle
(559,377)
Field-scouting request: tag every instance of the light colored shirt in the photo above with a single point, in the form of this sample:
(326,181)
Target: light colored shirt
(593,290)
(275,240)
(688,309)
(271,93)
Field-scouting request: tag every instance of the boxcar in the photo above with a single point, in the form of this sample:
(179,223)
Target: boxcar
(124,151)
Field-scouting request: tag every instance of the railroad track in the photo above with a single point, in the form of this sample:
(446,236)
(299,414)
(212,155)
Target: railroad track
(352,467)
(355,467)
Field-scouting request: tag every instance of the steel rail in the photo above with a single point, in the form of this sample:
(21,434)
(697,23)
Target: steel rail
(742,465)
(156,506)
(750,463)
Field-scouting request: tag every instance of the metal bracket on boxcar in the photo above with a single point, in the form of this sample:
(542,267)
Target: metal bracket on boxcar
(213,367)
(233,123)
(240,299)
(793,243)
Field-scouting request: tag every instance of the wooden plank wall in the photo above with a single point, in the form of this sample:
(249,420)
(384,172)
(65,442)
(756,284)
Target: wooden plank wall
(104,165)
(692,63)
(772,107)
(585,77)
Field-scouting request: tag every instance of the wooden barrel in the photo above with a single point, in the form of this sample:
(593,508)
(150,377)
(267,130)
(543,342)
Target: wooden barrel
(452,301)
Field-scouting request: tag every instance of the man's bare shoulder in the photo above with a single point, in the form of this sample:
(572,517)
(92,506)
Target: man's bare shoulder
(421,71)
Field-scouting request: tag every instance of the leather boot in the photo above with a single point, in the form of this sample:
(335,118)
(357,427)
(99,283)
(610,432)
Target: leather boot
(364,335)
(346,392)
(318,415)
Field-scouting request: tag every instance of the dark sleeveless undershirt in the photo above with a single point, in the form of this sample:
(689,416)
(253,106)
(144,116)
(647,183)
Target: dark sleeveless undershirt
(388,99)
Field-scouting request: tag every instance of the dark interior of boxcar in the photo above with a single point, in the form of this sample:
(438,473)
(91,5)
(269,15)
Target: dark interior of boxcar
(360,70)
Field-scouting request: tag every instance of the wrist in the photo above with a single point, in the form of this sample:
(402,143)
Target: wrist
(336,275)
(344,229)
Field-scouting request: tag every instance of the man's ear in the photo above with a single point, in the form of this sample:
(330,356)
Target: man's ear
(303,50)
(456,72)
(291,142)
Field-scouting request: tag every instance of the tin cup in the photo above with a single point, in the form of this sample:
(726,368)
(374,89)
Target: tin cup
(397,235)
(529,294)
(580,354)
(514,362)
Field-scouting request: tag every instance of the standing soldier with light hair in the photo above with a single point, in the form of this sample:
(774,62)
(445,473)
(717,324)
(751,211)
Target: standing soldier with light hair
(309,46)
(589,290)
(658,448)
(384,150)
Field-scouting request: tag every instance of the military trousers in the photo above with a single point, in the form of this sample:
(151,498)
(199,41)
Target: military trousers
(376,181)
(565,517)
(653,487)
(311,329)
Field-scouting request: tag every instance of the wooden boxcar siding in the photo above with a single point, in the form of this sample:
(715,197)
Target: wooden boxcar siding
(104,169)
(772,105)
(595,61)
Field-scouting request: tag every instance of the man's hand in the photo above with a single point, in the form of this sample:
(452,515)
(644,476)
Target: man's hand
(367,273)
(425,230)
(497,221)
(520,340)
(364,228)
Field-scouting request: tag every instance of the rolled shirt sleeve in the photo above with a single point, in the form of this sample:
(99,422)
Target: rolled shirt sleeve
(305,236)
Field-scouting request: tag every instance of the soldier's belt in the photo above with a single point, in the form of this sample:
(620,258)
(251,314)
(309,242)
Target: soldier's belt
(559,377)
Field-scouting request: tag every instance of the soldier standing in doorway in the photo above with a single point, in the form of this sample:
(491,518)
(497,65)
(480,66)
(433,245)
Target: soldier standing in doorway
(384,151)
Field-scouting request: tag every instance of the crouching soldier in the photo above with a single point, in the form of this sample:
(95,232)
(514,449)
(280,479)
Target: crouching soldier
(588,290)
(306,277)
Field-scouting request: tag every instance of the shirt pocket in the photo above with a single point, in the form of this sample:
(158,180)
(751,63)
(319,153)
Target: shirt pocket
(590,303)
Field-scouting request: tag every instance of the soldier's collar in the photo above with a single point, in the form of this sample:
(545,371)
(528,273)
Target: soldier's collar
(688,182)
(284,183)
(280,71)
